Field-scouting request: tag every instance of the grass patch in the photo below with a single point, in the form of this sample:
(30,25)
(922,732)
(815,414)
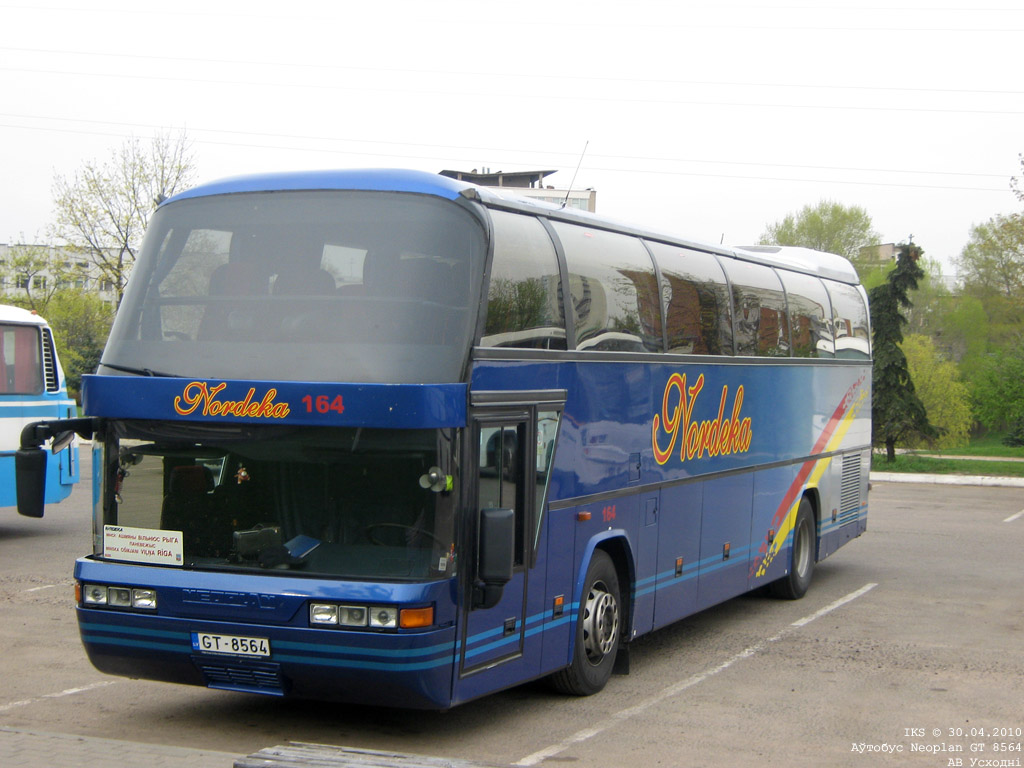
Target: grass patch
(908,462)
(986,445)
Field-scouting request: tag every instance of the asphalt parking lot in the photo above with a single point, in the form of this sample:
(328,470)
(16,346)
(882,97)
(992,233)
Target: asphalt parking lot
(908,648)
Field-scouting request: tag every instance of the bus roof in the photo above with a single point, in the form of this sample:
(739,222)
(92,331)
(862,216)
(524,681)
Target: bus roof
(372,179)
(805,260)
(9,314)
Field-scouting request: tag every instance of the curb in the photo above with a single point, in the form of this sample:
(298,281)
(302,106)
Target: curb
(983,480)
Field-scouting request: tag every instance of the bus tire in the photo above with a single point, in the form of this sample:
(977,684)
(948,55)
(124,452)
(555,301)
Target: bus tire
(598,631)
(794,585)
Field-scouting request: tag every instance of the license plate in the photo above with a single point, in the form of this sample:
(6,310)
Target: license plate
(232,645)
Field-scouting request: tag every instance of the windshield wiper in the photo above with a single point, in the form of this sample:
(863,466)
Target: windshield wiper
(138,371)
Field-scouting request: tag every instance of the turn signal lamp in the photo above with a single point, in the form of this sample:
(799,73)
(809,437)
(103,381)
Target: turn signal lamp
(416,618)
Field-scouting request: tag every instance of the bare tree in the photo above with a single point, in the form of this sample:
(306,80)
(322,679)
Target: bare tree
(103,210)
(37,271)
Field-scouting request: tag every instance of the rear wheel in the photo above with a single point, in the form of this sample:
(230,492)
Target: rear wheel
(598,630)
(801,557)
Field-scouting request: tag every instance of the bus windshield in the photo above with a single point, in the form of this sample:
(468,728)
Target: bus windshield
(304,286)
(347,503)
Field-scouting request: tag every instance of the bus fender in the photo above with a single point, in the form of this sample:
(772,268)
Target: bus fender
(813,495)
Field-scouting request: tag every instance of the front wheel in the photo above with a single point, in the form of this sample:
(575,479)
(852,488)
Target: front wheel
(801,557)
(598,630)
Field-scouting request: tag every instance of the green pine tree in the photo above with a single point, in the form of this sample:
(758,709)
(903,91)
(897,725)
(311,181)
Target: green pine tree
(896,410)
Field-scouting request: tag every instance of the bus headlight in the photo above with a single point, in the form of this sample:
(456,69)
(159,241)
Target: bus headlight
(102,595)
(323,614)
(383,617)
(94,594)
(339,615)
(369,616)
(144,598)
(352,615)
(119,597)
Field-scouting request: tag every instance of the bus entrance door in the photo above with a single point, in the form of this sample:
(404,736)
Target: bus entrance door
(493,638)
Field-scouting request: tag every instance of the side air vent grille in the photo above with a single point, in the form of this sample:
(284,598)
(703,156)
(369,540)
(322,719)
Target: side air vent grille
(849,496)
(50,362)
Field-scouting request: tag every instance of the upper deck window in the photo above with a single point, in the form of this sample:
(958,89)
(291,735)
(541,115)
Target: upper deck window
(698,308)
(524,304)
(850,320)
(761,319)
(304,286)
(614,290)
(810,315)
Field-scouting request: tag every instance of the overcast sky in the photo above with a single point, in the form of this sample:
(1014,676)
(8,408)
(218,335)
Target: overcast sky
(708,119)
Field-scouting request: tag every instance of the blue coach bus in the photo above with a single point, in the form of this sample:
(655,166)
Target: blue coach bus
(32,387)
(390,438)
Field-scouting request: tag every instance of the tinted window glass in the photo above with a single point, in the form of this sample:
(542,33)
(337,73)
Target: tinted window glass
(304,286)
(547,428)
(524,307)
(355,499)
(761,321)
(614,290)
(698,310)
(21,369)
(501,481)
(810,315)
(850,317)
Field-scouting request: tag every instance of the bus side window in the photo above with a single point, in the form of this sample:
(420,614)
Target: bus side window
(614,290)
(547,428)
(698,310)
(20,363)
(850,320)
(524,305)
(759,304)
(810,315)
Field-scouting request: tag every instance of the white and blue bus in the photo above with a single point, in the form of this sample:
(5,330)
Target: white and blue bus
(32,387)
(390,438)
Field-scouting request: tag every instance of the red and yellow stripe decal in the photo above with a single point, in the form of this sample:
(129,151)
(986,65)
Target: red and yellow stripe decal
(809,475)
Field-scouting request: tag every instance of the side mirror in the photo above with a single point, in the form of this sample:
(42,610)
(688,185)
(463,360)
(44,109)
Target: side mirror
(30,458)
(496,555)
(30,478)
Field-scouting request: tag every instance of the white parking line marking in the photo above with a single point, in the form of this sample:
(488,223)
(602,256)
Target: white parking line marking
(831,607)
(37,589)
(58,695)
(1011,518)
(673,690)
